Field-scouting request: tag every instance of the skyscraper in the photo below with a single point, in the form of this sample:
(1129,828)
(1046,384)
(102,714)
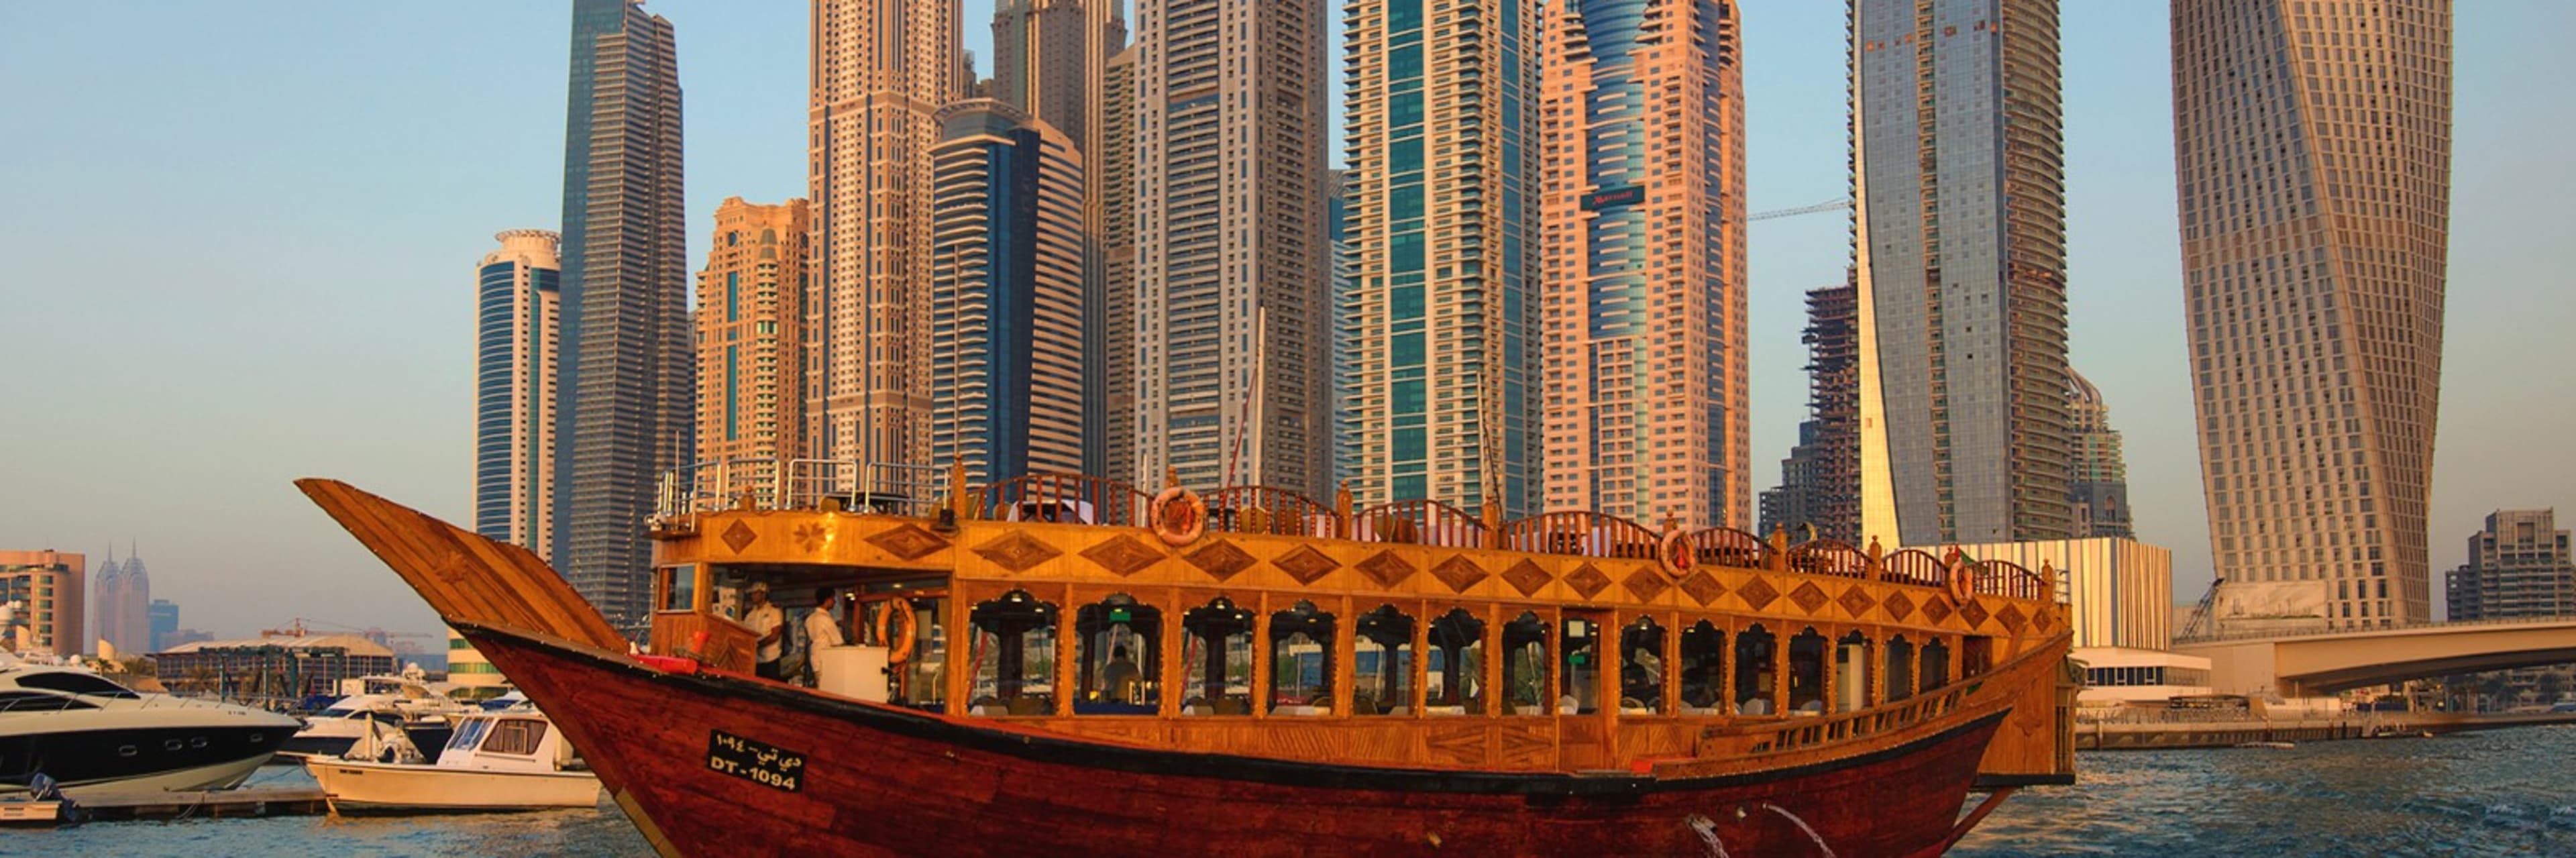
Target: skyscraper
(1117,308)
(517,324)
(1444,150)
(1960,248)
(1051,60)
(1006,335)
(881,70)
(121,595)
(751,347)
(1233,265)
(165,623)
(1345,310)
(2518,566)
(1643,300)
(1820,481)
(2099,482)
(2312,150)
(625,383)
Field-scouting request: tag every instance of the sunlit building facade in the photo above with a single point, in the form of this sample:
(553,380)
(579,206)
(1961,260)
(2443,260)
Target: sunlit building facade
(1960,255)
(1006,336)
(2099,482)
(751,348)
(46,594)
(1642,307)
(1117,260)
(2312,150)
(1444,148)
(517,318)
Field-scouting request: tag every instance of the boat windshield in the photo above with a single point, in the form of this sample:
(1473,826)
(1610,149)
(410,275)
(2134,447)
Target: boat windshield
(468,733)
(76,683)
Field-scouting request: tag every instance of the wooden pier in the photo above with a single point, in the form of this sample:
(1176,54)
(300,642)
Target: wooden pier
(207,804)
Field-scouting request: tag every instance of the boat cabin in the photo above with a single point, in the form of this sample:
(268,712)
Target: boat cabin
(1253,618)
(517,740)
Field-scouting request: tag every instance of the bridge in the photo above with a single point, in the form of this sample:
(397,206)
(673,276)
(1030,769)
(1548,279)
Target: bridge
(2324,662)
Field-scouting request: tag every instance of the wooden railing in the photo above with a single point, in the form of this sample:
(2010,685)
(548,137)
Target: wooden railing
(1792,733)
(1268,511)
(2012,581)
(1914,566)
(1829,557)
(1730,548)
(710,639)
(1066,498)
(1583,534)
(1419,522)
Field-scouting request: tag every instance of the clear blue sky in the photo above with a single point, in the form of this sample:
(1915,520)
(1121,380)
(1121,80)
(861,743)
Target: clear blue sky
(242,240)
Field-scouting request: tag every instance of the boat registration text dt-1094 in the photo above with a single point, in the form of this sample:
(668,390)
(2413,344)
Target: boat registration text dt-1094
(755,761)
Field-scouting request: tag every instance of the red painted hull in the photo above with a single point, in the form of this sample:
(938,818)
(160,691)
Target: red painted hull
(877,780)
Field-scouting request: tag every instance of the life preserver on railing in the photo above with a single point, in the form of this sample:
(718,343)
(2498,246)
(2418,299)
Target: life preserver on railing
(1677,554)
(1962,583)
(1180,516)
(898,648)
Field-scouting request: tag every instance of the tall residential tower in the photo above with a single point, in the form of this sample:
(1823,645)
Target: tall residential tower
(1643,299)
(1959,242)
(1443,110)
(881,70)
(1233,268)
(2312,149)
(751,347)
(517,318)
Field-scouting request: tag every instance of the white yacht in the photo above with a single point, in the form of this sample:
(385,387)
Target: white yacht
(93,736)
(506,760)
(387,701)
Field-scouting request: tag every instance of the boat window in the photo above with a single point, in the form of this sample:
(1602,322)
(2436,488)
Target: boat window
(76,683)
(1807,671)
(1382,663)
(515,736)
(1936,665)
(1525,665)
(1641,667)
(1757,659)
(1456,665)
(1217,653)
(1122,656)
(1851,673)
(1301,661)
(468,733)
(679,588)
(1014,649)
(1581,669)
(1703,671)
(1900,668)
(924,677)
(35,701)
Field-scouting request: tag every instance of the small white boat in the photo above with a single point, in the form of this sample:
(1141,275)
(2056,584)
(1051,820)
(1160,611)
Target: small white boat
(511,760)
(373,701)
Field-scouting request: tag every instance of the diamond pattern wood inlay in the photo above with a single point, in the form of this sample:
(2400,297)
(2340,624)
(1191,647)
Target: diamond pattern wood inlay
(2012,618)
(739,536)
(1899,606)
(1647,583)
(1017,552)
(1587,581)
(1808,597)
(1757,593)
(1703,587)
(1305,564)
(1123,555)
(1220,559)
(2042,620)
(1936,610)
(1459,573)
(1974,613)
(1855,602)
(910,542)
(1387,569)
(1527,577)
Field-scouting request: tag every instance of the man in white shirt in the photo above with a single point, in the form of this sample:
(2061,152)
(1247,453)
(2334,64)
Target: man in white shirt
(821,629)
(770,624)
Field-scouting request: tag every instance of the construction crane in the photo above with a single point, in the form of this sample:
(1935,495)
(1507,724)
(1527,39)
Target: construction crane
(1819,208)
(2201,623)
(297,629)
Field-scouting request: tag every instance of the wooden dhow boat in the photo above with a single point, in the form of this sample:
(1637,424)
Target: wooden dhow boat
(1076,667)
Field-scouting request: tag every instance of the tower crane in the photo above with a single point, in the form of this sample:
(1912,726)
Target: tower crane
(1819,208)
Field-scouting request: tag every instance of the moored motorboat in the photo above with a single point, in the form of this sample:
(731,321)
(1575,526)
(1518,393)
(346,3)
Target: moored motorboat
(503,760)
(92,736)
(376,703)
(1255,673)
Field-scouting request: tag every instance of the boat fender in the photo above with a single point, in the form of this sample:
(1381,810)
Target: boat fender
(1962,584)
(1180,516)
(898,648)
(1677,554)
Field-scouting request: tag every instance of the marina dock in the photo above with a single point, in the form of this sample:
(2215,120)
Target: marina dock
(251,801)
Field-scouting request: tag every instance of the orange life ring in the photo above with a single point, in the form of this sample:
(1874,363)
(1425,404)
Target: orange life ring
(1962,583)
(1180,516)
(899,649)
(1678,554)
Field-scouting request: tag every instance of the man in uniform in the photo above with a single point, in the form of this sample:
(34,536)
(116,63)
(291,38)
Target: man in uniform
(766,621)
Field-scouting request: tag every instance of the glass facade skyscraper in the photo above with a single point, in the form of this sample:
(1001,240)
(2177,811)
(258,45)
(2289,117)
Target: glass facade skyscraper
(1959,243)
(1006,320)
(1443,154)
(2312,156)
(517,318)
(625,378)
(1644,298)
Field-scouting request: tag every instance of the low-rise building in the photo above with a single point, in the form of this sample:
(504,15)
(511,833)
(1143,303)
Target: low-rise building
(43,590)
(278,667)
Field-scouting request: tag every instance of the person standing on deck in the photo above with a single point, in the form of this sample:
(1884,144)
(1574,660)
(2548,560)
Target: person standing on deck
(766,621)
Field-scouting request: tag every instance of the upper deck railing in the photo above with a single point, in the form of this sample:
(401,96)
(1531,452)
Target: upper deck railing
(924,492)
